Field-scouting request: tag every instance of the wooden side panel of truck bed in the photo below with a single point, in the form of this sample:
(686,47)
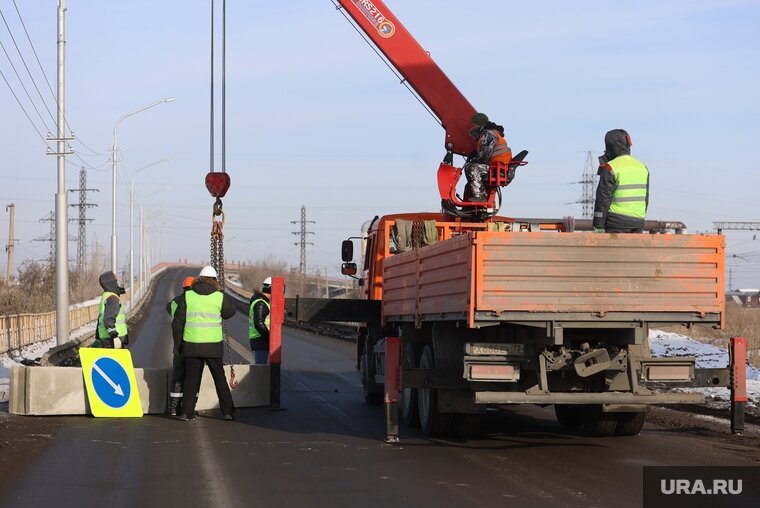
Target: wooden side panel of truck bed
(496,272)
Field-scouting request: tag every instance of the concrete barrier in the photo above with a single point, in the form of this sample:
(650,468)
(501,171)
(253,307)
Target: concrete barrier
(49,391)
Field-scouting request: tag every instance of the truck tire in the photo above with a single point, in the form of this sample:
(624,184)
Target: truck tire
(433,422)
(598,423)
(569,416)
(408,401)
(629,424)
(371,394)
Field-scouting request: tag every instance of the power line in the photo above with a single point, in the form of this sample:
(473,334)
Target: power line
(21,82)
(44,140)
(44,74)
(23,61)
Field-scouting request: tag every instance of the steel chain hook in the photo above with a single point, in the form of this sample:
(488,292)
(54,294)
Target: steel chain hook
(217,261)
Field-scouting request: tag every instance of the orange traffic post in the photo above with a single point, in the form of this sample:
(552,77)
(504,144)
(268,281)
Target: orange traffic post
(276,317)
(738,366)
(392,384)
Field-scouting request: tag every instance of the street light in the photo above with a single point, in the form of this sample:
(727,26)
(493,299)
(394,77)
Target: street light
(132,227)
(113,176)
(144,259)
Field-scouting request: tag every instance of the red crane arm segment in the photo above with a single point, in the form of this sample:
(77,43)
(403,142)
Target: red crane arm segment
(418,69)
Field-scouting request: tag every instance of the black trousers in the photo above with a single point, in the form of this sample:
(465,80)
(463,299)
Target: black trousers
(193,372)
(178,368)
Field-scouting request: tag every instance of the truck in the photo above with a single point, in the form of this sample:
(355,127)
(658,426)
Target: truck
(464,311)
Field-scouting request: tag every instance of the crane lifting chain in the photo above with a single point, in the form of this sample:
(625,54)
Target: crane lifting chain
(217,261)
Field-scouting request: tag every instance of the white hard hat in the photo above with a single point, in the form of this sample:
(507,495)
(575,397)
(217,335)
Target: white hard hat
(208,271)
(267,281)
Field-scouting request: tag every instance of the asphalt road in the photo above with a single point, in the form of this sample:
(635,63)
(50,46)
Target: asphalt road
(326,449)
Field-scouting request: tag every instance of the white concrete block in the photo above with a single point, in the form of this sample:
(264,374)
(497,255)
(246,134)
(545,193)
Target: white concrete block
(252,389)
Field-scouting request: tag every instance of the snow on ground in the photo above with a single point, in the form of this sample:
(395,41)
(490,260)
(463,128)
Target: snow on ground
(31,352)
(708,356)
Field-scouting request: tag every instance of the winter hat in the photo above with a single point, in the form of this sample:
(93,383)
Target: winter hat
(480,119)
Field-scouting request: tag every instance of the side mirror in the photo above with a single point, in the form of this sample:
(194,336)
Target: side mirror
(347,251)
(348,269)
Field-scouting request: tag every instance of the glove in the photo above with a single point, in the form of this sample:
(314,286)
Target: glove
(124,340)
(598,230)
(113,333)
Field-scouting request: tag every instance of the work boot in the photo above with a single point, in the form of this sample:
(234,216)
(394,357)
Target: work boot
(175,406)
(175,400)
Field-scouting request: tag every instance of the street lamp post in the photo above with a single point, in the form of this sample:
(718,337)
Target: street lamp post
(114,162)
(132,227)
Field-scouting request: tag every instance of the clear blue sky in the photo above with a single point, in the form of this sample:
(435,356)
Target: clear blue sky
(315,119)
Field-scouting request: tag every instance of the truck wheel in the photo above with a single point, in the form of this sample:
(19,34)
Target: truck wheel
(569,416)
(629,424)
(433,423)
(371,395)
(409,411)
(597,422)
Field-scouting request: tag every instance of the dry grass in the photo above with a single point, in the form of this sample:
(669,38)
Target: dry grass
(740,322)
(34,289)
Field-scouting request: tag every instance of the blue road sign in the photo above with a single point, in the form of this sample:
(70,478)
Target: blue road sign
(111,382)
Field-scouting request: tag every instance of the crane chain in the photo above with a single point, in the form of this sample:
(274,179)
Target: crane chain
(217,261)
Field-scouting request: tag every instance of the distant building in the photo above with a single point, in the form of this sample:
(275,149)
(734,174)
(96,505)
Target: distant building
(744,297)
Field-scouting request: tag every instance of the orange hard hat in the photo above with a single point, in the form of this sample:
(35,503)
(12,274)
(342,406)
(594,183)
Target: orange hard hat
(188,282)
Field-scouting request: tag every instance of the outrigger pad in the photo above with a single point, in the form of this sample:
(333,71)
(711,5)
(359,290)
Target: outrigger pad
(217,184)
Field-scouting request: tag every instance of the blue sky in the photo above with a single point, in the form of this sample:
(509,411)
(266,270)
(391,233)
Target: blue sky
(315,119)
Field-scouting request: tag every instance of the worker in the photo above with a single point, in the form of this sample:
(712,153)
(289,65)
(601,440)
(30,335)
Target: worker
(622,196)
(111,329)
(178,362)
(198,321)
(258,322)
(491,148)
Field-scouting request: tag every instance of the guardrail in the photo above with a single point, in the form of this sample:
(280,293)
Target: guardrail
(344,331)
(21,330)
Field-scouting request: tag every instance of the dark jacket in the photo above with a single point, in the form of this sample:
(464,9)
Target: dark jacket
(616,143)
(487,140)
(202,286)
(113,303)
(260,313)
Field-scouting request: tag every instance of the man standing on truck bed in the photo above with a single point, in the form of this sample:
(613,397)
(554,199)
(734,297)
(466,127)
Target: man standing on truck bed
(622,195)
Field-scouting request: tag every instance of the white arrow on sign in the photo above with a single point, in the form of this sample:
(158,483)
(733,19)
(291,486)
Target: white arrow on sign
(116,388)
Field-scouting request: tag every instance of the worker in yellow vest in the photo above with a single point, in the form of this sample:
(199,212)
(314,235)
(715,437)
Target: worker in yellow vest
(622,196)
(111,331)
(198,320)
(178,362)
(258,322)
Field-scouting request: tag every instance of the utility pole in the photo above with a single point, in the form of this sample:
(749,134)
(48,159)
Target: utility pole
(303,243)
(11,241)
(82,221)
(588,180)
(61,223)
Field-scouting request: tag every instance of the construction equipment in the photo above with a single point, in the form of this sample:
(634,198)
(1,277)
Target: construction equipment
(434,89)
(459,316)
